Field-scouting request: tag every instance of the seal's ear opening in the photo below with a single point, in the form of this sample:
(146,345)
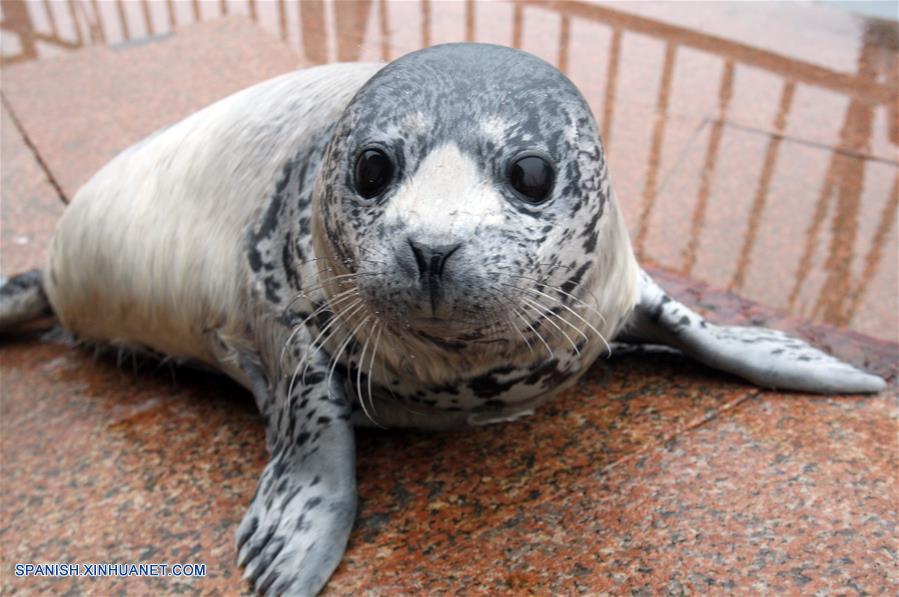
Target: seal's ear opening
(765,357)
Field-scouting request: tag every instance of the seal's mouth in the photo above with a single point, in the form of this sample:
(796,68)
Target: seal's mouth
(438,325)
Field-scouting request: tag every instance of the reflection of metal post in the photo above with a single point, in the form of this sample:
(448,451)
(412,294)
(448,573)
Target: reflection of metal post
(655,152)
(517,25)
(811,233)
(761,192)
(697,223)
(875,254)
(351,19)
(608,106)
(97,31)
(79,40)
(849,175)
(833,301)
(282,20)
(469,20)
(564,43)
(170,8)
(425,23)
(385,31)
(51,19)
(312,22)
(123,22)
(148,20)
(17,19)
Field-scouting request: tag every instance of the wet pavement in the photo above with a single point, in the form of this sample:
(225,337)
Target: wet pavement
(754,151)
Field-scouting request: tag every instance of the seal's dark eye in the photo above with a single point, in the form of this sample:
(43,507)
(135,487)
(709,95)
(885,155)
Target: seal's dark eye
(532,178)
(373,172)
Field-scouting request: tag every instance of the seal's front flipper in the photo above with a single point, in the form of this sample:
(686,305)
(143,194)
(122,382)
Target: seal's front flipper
(295,532)
(22,299)
(765,357)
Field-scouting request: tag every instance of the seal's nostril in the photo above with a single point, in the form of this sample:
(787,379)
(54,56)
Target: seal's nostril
(420,259)
(431,261)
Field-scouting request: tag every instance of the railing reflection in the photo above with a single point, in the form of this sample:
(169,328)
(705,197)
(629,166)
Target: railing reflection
(831,241)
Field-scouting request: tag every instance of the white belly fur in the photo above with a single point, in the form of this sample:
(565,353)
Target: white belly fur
(151,250)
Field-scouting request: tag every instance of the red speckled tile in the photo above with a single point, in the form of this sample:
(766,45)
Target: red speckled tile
(786,494)
(468,510)
(103,465)
(116,96)
(100,464)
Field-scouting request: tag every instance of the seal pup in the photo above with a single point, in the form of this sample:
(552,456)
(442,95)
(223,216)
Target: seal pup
(430,243)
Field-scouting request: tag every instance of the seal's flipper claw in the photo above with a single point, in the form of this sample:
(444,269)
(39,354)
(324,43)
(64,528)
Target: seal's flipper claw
(295,531)
(765,357)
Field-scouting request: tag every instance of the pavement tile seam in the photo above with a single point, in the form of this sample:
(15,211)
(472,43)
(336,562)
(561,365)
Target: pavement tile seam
(683,153)
(800,140)
(690,426)
(34,151)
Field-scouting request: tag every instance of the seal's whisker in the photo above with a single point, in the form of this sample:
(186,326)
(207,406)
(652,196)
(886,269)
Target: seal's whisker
(576,314)
(320,340)
(536,333)
(536,298)
(329,304)
(520,333)
(336,358)
(518,312)
(335,300)
(331,261)
(546,317)
(304,294)
(400,345)
(555,289)
(576,299)
(560,291)
(538,294)
(325,307)
(327,280)
(304,362)
(580,302)
(380,253)
(359,367)
(496,326)
(342,279)
(387,379)
(371,365)
(314,259)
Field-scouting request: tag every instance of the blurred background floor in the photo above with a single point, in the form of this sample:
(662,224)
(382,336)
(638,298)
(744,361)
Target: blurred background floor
(754,149)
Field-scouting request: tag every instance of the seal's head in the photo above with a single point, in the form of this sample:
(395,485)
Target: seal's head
(465,195)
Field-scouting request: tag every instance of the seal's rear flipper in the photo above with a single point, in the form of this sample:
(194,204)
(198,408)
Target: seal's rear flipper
(22,299)
(765,357)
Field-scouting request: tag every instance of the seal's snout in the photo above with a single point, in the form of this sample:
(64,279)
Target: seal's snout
(430,266)
(431,260)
